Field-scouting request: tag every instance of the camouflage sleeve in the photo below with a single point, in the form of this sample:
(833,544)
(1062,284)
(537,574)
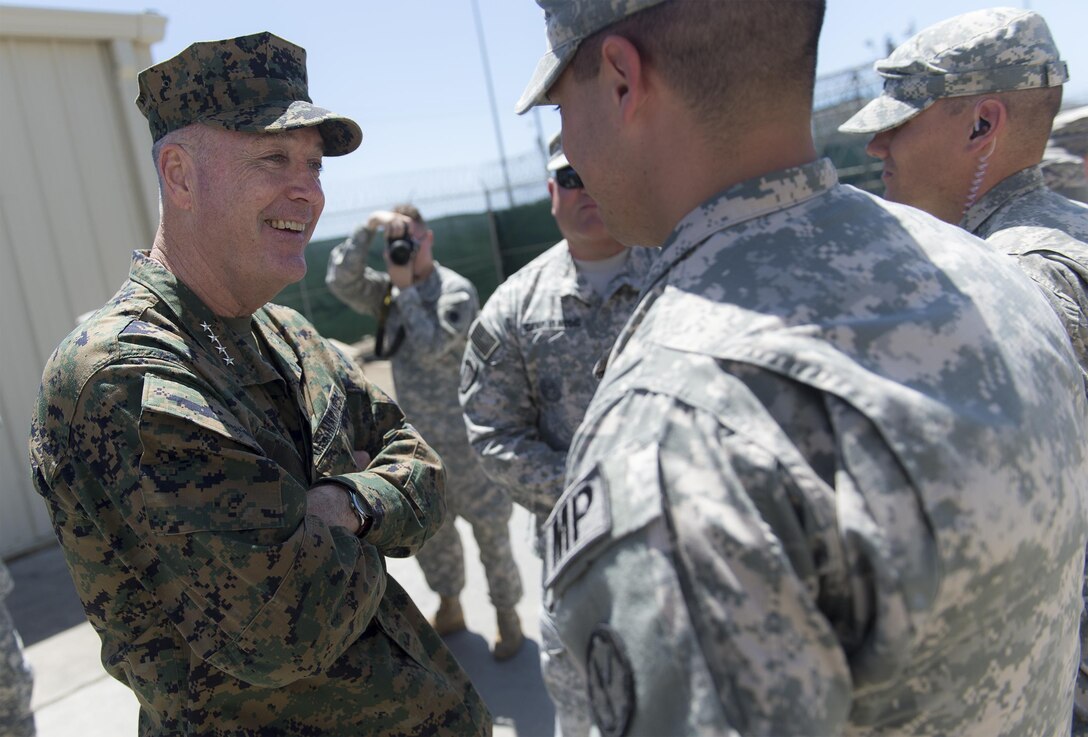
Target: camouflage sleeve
(216,531)
(711,582)
(434,332)
(1062,282)
(405,482)
(350,279)
(501,416)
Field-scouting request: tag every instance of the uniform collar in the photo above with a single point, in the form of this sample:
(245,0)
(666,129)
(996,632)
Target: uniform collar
(747,200)
(221,340)
(567,280)
(1009,188)
(570,282)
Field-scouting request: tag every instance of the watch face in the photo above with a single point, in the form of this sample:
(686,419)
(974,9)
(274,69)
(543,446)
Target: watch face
(359,505)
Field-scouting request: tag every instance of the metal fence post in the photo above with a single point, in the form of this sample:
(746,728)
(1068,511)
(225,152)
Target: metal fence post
(493,230)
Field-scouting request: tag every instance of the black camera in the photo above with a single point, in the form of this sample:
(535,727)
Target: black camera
(401,249)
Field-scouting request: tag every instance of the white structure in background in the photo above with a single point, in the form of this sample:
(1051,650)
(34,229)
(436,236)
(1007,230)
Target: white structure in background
(77,196)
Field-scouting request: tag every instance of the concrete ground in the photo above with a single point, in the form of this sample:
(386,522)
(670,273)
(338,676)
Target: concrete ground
(73,694)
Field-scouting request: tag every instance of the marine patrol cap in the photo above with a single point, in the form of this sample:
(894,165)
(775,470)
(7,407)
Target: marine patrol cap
(569,22)
(254,83)
(994,50)
(556,158)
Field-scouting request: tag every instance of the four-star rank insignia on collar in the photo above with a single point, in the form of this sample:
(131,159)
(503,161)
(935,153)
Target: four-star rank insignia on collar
(218,345)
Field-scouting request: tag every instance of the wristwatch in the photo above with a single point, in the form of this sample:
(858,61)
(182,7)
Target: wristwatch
(361,509)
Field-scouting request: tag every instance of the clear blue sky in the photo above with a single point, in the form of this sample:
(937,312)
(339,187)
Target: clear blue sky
(410,71)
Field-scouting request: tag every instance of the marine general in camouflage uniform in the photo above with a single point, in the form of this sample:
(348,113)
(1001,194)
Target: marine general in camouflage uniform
(962,126)
(224,483)
(16,678)
(824,487)
(424,311)
(527,375)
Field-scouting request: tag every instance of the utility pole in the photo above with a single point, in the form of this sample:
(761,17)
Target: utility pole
(491,98)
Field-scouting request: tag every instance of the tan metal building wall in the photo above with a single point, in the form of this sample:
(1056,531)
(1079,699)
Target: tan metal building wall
(77,196)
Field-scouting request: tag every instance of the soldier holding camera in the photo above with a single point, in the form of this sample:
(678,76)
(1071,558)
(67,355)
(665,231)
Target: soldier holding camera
(424,311)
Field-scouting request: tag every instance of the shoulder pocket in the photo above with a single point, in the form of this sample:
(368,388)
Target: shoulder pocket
(200,469)
(186,403)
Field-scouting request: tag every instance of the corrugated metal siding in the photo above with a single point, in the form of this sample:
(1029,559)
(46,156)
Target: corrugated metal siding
(76,198)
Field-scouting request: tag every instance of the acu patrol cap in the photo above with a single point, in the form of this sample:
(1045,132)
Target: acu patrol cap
(556,158)
(254,83)
(994,50)
(569,22)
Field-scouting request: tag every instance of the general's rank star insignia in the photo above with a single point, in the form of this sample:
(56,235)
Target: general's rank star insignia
(217,343)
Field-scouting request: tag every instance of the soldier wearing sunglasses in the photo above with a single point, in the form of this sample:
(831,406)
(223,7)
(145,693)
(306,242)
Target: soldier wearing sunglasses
(527,375)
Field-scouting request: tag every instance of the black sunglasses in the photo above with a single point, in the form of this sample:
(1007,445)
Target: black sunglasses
(567,178)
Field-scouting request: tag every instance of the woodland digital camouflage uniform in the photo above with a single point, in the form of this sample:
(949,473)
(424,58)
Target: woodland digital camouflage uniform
(1002,50)
(824,486)
(434,317)
(526,380)
(16,680)
(174,449)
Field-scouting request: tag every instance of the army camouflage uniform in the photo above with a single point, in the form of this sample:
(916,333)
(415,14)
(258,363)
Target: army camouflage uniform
(16,679)
(981,52)
(1064,173)
(799,501)
(174,449)
(432,319)
(527,378)
(1048,235)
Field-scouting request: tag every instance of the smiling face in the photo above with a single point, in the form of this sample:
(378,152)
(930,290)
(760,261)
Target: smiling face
(256,203)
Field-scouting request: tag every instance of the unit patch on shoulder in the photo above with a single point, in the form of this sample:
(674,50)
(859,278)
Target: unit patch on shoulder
(483,342)
(611,681)
(580,517)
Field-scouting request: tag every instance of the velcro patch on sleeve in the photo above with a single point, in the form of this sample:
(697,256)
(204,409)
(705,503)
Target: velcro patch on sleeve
(580,517)
(483,342)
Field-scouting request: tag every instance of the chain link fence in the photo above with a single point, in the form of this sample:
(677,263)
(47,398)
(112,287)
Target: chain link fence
(492,220)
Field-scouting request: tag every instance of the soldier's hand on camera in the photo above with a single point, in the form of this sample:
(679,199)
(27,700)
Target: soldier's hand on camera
(396,226)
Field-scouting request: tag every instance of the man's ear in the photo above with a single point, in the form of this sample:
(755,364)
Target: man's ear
(989,120)
(623,72)
(177,169)
(552,189)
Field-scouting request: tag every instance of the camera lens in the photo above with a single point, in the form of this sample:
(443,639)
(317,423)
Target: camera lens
(400,251)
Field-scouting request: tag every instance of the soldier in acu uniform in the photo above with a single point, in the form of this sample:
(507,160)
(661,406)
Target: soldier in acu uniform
(962,128)
(824,486)
(527,375)
(424,311)
(226,485)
